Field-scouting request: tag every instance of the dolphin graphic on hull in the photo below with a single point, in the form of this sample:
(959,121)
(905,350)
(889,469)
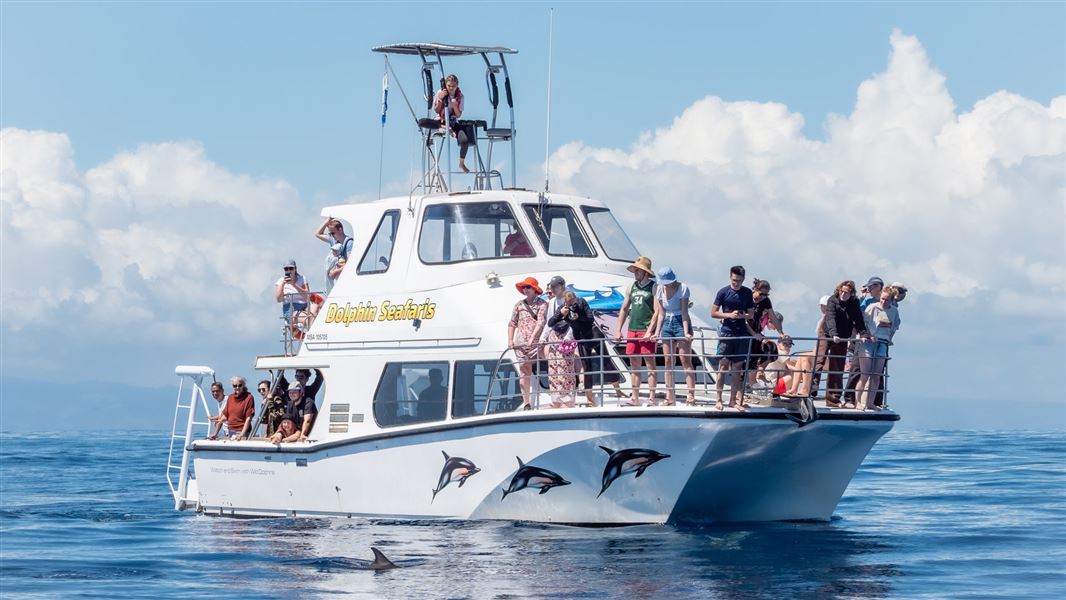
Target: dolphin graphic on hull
(808,413)
(630,460)
(533,477)
(456,468)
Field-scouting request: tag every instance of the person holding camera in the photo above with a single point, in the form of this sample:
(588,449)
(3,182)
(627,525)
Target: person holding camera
(293,292)
(451,97)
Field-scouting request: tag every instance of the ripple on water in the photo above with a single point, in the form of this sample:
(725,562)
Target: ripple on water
(930,514)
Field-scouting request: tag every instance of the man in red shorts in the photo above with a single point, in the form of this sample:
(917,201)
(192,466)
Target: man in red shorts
(638,314)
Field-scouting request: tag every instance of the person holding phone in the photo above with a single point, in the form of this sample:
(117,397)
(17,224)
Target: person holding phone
(292,291)
(451,97)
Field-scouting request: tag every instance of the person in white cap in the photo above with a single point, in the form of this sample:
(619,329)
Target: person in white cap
(292,291)
(822,333)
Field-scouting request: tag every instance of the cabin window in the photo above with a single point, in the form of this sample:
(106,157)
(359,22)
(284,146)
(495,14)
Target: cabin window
(616,244)
(378,253)
(475,231)
(411,392)
(475,385)
(558,229)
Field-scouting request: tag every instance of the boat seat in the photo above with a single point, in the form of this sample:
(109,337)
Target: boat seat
(498,133)
(427,123)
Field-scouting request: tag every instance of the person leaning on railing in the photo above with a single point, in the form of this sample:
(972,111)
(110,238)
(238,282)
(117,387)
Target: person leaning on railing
(238,412)
(843,320)
(882,320)
(302,411)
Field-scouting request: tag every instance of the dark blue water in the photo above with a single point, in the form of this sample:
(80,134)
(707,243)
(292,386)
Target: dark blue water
(930,514)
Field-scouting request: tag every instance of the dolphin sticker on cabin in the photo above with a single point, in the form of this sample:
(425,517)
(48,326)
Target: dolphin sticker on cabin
(456,468)
(533,477)
(630,460)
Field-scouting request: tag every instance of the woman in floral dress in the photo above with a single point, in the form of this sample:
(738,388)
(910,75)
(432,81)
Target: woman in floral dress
(523,331)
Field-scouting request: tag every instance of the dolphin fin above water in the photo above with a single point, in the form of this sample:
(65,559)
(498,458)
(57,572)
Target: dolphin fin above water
(381,562)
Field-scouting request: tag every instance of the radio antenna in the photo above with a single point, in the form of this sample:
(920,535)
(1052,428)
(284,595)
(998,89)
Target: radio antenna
(548,119)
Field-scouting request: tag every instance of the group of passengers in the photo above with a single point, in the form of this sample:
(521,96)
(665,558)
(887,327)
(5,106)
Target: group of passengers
(753,349)
(287,410)
(299,303)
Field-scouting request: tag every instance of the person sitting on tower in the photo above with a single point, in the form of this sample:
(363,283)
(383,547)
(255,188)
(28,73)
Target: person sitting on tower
(451,96)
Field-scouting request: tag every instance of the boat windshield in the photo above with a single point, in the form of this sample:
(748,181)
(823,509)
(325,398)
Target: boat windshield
(610,234)
(472,231)
(559,230)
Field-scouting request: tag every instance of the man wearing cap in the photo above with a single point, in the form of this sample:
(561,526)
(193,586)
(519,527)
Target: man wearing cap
(292,291)
(734,305)
(638,313)
(871,293)
(301,410)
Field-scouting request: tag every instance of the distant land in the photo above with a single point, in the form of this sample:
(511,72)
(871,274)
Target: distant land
(28,405)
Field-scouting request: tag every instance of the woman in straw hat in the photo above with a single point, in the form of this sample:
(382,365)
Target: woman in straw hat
(523,332)
(639,314)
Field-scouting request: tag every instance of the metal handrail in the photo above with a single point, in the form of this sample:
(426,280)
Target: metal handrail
(611,352)
(287,340)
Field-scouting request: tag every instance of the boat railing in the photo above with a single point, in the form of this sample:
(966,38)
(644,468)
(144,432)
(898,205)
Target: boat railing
(298,313)
(194,377)
(604,364)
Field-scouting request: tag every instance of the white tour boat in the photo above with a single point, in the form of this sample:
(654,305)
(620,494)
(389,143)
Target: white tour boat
(430,287)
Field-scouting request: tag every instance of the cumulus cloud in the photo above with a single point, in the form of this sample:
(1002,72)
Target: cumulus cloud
(159,241)
(957,205)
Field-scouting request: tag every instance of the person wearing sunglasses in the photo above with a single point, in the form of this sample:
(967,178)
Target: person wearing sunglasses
(238,413)
(292,291)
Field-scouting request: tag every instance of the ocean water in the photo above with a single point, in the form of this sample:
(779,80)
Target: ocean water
(940,514)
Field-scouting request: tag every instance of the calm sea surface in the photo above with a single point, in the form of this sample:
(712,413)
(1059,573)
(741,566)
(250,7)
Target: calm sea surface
(930,514)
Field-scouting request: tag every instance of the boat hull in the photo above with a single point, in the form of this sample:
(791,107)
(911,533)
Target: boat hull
(566,467)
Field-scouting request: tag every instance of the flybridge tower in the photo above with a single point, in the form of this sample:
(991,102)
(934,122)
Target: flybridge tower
(488,133)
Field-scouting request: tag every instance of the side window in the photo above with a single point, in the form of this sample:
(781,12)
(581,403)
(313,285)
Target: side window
(474,231)
(379,251)
(559,230)
(475,385)
(411,392)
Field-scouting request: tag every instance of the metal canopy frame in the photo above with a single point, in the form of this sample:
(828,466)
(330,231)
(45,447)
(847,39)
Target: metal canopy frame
(432,54)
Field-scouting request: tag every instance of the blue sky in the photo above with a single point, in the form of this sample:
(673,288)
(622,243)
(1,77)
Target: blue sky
(278,104)
(287,90)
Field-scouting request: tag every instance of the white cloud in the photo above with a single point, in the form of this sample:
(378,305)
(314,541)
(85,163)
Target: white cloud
(159,241)
(956,205)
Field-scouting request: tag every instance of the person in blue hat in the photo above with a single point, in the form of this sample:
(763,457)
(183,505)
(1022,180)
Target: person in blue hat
(674,329)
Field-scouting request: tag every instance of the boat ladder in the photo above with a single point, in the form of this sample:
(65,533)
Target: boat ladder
(185,414)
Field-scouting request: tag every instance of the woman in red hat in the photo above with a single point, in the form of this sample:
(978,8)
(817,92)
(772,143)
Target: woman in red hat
(523,331)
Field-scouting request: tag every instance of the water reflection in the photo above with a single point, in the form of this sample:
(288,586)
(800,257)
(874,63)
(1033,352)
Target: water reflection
(529,560)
